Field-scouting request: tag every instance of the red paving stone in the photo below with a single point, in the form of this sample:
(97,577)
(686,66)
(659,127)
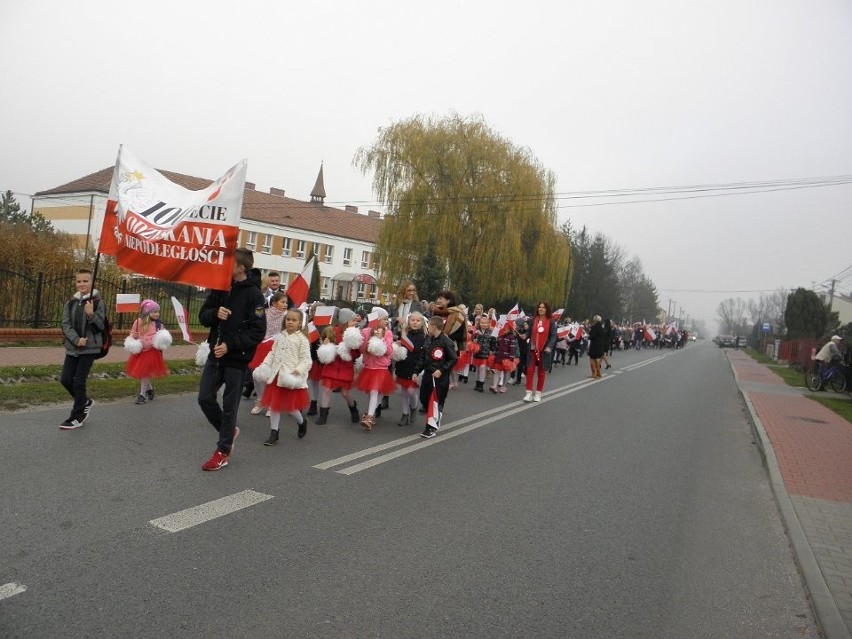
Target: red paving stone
(749,370)
(39,355)
(813,445)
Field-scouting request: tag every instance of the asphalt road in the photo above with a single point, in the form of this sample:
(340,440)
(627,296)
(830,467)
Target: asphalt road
(634,506)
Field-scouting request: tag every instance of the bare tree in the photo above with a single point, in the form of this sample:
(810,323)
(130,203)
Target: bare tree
(732,315)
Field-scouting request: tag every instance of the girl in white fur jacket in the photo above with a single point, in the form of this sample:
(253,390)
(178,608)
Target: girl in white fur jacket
(285,371)
(145,343)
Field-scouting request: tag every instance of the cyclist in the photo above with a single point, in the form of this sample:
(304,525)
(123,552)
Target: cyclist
(830,353)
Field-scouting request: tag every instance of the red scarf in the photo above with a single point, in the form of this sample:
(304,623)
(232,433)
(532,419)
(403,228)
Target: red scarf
(539,339)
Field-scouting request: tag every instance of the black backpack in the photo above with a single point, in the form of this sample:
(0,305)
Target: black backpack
(107,335)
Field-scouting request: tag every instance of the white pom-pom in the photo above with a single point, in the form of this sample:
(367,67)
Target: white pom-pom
(343,352)
(132,345)
(288,380)
(359,363)
(376,346)
(162,339)
(352,338)
(202,353)
(398,353)
(262,374)
(326,353)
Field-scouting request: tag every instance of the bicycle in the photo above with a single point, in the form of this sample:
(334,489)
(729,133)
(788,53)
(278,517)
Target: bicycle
(826,376)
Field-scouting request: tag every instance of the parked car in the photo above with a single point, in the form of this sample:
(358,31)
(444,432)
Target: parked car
(726,341)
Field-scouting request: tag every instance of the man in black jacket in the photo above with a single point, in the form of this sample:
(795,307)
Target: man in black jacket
(237,325)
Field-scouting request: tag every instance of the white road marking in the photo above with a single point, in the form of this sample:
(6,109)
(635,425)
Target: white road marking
(413,443)
(11,589)
(202,513)
(444,436)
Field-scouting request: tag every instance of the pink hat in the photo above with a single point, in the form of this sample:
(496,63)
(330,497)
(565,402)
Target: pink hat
(148,307)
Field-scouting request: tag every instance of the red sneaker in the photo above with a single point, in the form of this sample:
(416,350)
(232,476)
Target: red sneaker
(217,461)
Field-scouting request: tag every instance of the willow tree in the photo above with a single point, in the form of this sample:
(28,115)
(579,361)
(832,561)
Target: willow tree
(488,204)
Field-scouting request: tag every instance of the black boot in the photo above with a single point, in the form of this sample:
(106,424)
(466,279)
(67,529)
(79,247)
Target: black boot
(273,438)
(386,402)
(303,427)
(479,388)
(323,418)
(353,412)
(378,411)
(313,409)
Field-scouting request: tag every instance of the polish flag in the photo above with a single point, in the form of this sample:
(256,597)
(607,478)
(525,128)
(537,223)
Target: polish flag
(299,287)
(515,313)
(563,332)
(405,340)
(433,414)
(313,333)
(557,314)
(578,330)
(127,302)
(373,319)
(323,315)
(181,320)
(650,335)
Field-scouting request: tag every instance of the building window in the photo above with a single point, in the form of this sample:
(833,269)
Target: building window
(251,240)
(347,256)
(365,259)
(326,286)
(361,290)
(329,254)
(287,247)
(267,244)
(300,249)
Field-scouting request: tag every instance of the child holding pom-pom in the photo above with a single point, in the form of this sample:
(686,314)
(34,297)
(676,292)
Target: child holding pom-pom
(375,378)
(340,348)
(146,342)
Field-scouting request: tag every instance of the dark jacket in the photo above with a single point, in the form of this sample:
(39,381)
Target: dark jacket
(75,325)
(439,353)
(246,326)
(408,367)
(597,341)
(487,343)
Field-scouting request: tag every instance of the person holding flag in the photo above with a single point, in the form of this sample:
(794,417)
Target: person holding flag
(237,324)
(375,378)
(436,362)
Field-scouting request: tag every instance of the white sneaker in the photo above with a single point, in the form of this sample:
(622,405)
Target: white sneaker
(528,396)
(537,397)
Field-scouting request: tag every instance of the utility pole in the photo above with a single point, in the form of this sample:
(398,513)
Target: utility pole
(831,295)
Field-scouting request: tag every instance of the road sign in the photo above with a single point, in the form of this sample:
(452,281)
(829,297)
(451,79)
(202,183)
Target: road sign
(766,327)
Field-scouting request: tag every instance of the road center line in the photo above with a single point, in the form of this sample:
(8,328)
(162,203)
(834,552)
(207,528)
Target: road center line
(202,513)
(503,413)
(444,428)
(11,589)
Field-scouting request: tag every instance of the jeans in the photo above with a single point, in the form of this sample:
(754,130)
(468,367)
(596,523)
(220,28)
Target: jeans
(222,418)
(75,372)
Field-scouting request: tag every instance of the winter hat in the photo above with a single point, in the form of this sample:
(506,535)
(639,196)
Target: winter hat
(148,307)
(344,315)
(379,312)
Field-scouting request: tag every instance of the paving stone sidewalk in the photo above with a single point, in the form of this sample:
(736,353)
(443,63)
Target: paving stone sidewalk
(808,452)
(38,355)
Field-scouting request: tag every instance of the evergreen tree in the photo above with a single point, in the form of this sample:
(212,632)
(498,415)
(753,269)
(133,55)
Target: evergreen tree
(431,276)
(11,213)
(315,290)
(807,316)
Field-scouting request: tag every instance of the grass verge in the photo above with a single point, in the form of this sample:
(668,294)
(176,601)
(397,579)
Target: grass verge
(38,385)
(839,404)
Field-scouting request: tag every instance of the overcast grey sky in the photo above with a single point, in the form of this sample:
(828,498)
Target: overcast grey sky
(608,95)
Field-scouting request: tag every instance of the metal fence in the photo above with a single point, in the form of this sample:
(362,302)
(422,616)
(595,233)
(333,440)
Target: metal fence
(36,301)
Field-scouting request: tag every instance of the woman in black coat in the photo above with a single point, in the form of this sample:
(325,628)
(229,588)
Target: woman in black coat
(597,346)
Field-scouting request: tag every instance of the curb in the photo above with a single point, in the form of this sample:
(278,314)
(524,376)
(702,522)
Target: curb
(826,613)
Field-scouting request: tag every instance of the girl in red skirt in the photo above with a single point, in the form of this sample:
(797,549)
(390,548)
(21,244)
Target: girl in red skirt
(340,348)
(375,378)
(413,339)
(285,372)
(274,323)
(146,342)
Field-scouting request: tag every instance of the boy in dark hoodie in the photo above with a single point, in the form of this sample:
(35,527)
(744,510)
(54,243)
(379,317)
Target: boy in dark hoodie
(437,360)
(237,325)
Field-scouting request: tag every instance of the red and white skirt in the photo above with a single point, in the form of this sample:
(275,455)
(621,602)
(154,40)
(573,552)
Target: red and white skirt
(504,364)
(147,364)
(284,400)
(375,379)
(406,382)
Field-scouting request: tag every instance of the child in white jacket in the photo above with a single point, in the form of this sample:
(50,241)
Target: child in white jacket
(285,371)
